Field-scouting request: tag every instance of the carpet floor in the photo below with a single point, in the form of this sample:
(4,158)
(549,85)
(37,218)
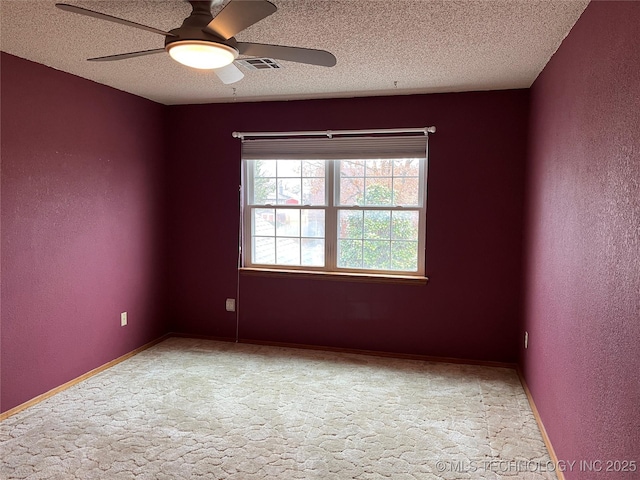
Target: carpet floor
(189,409)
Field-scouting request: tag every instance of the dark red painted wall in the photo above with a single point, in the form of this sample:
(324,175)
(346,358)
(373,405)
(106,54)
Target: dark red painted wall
(81,173)
(583,276)
(470,308)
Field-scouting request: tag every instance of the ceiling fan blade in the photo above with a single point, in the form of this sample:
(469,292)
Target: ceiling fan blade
(229,74)
(103,16)
(238,15)
(124,56)
(292,54)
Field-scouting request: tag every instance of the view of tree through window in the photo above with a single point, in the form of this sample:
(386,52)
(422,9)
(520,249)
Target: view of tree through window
(336,214)
(294,182)
(378,239)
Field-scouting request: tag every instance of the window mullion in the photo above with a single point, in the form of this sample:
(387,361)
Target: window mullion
(331,217)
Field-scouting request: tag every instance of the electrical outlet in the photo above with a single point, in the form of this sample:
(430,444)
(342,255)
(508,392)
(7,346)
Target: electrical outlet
(123,319)
(230,304)
(526,339)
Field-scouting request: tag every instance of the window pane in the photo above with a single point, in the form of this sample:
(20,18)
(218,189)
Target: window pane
(264,220)
(404,256)
(313,168)
(379,182)
(264,191)
(404,225)
(264,250)
(350,253)
(350,224)
(352,168)
(406,167)
(312,223)
(264,168)
(313,191)
(376,254)
(287,222)
(288,251)
(377,224)
(352,191)
(406,191)
(379,168)
(377,191)
(312,252)
(289,191)
(289,168)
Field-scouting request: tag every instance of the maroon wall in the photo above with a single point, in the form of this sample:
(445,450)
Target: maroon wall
(81,166)
(583,275)
(470,308)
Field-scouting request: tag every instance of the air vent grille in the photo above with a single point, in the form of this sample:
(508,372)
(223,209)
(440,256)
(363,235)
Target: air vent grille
(259,64)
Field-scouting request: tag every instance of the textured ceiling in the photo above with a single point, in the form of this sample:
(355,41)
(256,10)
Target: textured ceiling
(382,47)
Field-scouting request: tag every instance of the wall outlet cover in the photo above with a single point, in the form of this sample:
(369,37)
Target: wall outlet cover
(230,304)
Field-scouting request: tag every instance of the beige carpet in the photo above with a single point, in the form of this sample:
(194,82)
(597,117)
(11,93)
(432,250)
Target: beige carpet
(188,409)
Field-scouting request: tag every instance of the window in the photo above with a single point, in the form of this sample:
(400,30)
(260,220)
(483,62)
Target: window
(339,205)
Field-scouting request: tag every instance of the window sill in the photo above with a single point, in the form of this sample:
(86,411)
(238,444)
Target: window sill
(336,276)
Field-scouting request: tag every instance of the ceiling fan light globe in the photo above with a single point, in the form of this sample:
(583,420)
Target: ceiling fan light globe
(202,55)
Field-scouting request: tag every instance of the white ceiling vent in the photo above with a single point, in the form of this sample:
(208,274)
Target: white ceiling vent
(259,64)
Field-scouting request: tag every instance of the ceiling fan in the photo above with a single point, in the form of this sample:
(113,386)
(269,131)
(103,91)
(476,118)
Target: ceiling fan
(207,42)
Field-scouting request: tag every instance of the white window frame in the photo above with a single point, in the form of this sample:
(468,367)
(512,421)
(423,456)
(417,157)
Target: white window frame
(331,209)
